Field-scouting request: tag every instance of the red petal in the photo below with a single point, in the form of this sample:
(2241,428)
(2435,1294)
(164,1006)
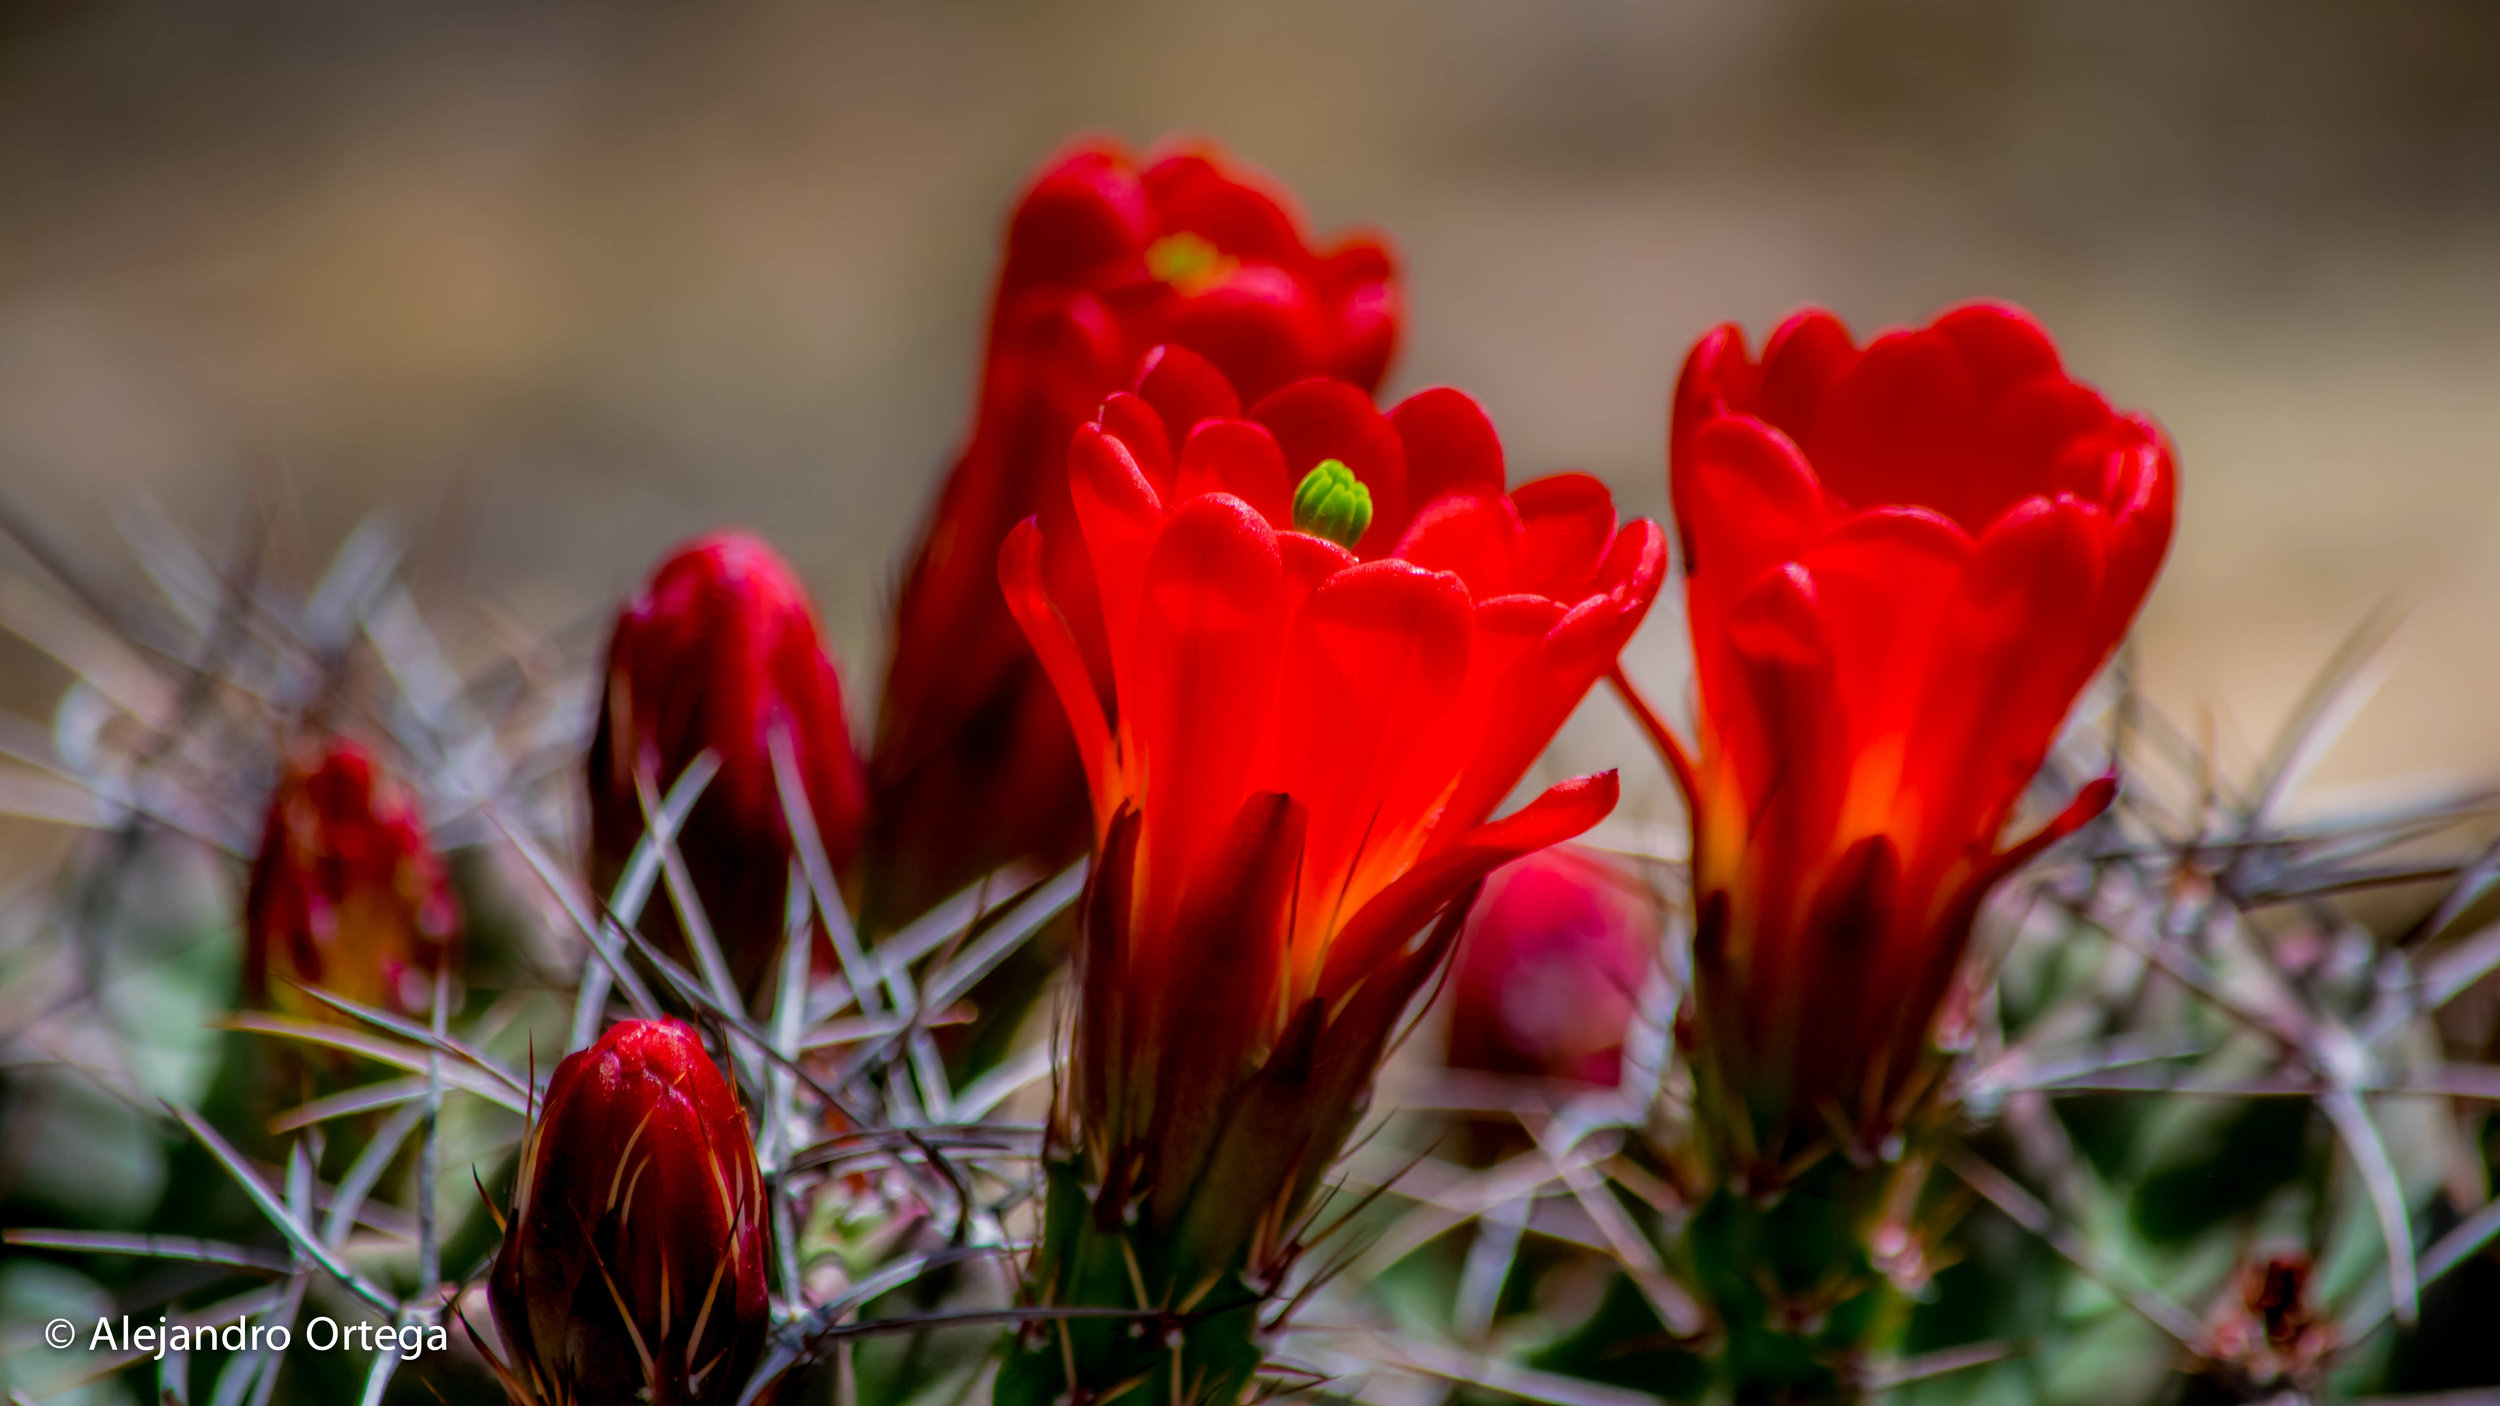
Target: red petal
(2141,511)
(1883,581)
(2035,568)
(1210,622)
(1130,420)
(1744,501)
(1474,537)
(1451,446)
(1568,523)
(1321,419)
(1222,959)
(1241,458)
(1375,661)
(2002,346)
(1899,429)
(1020,577)
(2016,645)
(1524,687)
(1805,358)
(1120,516)
(1359,261)
(1084,213)
(1245,218)
(2033,433)
(1309,561)
(1259,325)
(1368,317)
(1780,721)
(2095,797)
(1385,923)
(1717,380)
(1185,388)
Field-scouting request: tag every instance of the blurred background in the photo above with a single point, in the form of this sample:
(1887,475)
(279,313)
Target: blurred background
(563,284)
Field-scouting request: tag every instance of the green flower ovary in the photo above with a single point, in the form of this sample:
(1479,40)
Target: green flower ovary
(1332,503)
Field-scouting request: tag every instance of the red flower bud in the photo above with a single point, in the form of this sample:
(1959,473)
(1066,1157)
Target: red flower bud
(1902,565)
(718,653)
(1294,763)
(1549,965)
(346,894)
(2267,1330)
(632,1266)
(1105,259)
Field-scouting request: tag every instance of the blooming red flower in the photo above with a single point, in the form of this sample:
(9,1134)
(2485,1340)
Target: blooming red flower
(346,894)
(1902,564)
(1294,763)
(632,1266)
(719,653)
(1106,257)
(1549,964)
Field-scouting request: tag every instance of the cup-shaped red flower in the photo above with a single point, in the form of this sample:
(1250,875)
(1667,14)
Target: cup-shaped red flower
(1549,967)
(1903,563)
(720,653)
(1293,768)
(346,894)
(1106,257)
(632,1266)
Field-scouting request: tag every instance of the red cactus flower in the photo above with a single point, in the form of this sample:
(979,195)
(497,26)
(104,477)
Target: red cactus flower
(346,893)
(1336,643)
(1106,257)
(632,1266)
(718,653)
(1549,964)
(1902,564)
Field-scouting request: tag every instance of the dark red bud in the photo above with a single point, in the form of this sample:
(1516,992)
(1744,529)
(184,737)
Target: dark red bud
(718,653)
(632,1267)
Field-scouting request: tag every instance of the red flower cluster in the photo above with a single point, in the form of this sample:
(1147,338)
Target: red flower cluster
(1903,564)
(718,654)
(632,1266)
(1106,258)
(346,894)
(1549,966)
(1336,642)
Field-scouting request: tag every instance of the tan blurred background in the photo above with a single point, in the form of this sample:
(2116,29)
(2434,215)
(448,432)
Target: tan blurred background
(597,276)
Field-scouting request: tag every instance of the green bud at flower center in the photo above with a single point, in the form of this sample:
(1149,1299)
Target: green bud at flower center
(1186,261)
(1332,503)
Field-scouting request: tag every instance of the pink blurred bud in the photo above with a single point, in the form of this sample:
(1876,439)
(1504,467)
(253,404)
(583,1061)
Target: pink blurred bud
(1549,967)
